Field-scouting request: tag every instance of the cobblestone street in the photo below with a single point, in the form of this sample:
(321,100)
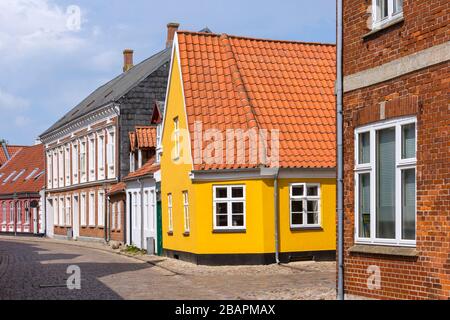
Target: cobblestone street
(36,269)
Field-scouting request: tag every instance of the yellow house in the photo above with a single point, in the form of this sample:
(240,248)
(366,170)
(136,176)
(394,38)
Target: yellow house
(248,151)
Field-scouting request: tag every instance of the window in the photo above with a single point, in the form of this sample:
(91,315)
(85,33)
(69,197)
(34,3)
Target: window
(91,213)
(11,212)
(75,162)
(61,167)
(176,133)
(27,213)
(55,212)
(32,173)
(305,205)
(21,172)
(91,157)
(100,156)
(19,212)
(385,184)
(49,170)
(75,208)
(67,164)
(83,161)
(113,215)
(111,154)
(120,207)
(101,210)
(4,213)
(68,212)
(83,209)
(169,209)
(186,211)
(229,207)
(55,169)
(385,11)
(9,177)
(61,212)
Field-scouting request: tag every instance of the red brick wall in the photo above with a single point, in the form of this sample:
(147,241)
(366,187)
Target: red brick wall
(425,25)
(425,93)
(119,200)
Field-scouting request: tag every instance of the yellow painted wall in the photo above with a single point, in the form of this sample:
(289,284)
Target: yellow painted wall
(259,236)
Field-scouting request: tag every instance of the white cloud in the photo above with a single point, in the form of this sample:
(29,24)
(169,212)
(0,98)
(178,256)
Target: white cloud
(11,102)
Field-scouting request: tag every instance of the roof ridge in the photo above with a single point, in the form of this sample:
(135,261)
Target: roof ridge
(238,81)
(257,39)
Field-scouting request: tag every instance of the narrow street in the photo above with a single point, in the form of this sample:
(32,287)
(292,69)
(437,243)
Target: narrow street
(37,269)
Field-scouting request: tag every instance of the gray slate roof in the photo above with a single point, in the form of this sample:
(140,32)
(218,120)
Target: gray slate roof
(114,89)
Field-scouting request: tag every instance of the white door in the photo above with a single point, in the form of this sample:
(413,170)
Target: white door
(136,219)
(76,217)
(149,216)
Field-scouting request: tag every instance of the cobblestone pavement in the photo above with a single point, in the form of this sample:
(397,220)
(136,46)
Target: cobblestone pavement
(36,269)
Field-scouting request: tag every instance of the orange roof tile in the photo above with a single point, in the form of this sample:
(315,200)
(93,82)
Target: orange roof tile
(148,168)
(24,172)
(12,150)
(146,137)
(117,188)
(234,82)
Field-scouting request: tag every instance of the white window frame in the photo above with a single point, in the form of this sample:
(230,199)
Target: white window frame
(187,221)
(67,164)
(113,215)
(370,168)
(101,174)
(61,167)
(19,212)
(111,152)
(305,198)
(68,212)
(377,22)
(61,211)
(55,168)
(75,207)
(91,210)
(12,212)
(55,212)
(170,211)
(119,209)
(75,164)
(27,212)
(49,170)
(83,209)
(4,212)
(229,200)
(101,208)
(83,160)
(91,156)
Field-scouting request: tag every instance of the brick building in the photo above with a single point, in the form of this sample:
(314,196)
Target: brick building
(87,151)
(21,192)
(396,148)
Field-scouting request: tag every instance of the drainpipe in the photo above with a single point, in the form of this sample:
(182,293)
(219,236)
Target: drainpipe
(340,153)
(276,213)
(142,212)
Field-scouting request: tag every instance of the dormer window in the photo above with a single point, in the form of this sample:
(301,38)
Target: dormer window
(386,11)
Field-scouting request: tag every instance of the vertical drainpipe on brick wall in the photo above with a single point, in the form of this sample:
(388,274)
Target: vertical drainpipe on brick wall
(340,152)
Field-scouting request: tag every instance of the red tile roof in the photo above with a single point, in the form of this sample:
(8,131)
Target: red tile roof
(117,188)
(148,168)
(25,171)
(242,83)
(12,150)
(143,137)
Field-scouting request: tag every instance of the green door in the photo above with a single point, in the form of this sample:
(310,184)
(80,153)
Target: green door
(159,228)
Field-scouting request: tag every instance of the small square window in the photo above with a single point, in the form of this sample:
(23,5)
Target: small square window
(313,191)
(298,191)
(237,192)
(221,193)
(238,207)
(221,208)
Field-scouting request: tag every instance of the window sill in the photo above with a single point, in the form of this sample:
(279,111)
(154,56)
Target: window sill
(384,250)
(384,26)
(219,231)
(307,228)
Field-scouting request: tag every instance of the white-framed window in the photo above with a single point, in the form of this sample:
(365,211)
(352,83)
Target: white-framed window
(19,212)
(27,213)
(229,207)
(67,164)
(113,215)
(135,202)
(55,169)
(61,212)
(11,212)
(75,207)
(384,11)
(21,172)
(120,208)
(305,205)
(49,170)
(55,212)
(83,160)
(83,210)
(91,213)
(75,169)
(100,155)
(186,211)
(101,209)
(176,134)
(132,162)
(111,153)
(68,211)
(169,211)
(91,156)
(4,213)
(385,183)
(61,167)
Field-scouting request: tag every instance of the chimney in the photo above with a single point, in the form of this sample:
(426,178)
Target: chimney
(127,59)
(171,29)
(5,150)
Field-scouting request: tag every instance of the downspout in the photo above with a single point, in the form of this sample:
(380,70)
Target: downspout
(340,152)
(142,212)
(106,221)
(276,216)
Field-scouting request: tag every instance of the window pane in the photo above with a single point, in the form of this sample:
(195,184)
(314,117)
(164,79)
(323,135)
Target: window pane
(237,207)
(313,218)
(409,141)
(313,206)
(221,208)
(237,192)
(409,204)
(398,6)
(364,148)
(385,219)
(297,206)
(222,221)
(312,191)
(238,220)
(364,205)
(221,193)
(297,190)
(297,218)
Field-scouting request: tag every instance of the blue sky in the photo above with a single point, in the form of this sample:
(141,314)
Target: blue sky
(48,67)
